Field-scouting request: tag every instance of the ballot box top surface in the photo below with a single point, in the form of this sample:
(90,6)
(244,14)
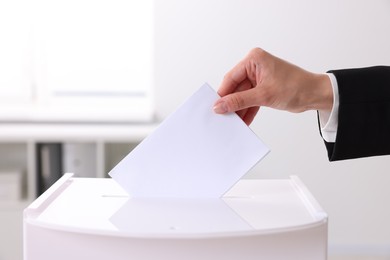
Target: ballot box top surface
(101,206)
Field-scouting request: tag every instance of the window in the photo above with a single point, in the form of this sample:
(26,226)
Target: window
(76,60)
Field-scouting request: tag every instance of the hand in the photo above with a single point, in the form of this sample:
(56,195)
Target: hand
(262,79)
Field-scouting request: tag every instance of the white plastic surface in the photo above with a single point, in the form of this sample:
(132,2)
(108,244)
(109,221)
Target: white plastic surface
(79,217)
(100,206)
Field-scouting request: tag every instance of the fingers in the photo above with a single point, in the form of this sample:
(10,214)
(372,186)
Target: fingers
(237,89)
(245,85)
(244,70)
(246,114)
(237,101)
(233,79)
(250,115)
(221,107)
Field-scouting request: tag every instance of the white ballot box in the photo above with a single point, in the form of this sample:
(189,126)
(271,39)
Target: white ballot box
(91,218)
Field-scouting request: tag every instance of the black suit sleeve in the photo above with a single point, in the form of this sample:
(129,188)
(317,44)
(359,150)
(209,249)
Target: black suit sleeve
(364,113)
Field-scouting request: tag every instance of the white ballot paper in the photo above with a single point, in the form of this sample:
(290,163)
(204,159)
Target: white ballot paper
(194,153)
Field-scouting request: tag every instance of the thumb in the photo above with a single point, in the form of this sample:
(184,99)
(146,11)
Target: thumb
(236,101)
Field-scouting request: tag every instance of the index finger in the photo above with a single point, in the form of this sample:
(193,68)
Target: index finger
(233,79)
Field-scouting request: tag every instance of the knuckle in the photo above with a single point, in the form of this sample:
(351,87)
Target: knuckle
(257,52)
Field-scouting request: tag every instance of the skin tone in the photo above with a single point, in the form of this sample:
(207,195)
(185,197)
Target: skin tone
(262,79)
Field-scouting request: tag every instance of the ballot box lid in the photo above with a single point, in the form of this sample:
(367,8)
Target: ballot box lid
(100,206)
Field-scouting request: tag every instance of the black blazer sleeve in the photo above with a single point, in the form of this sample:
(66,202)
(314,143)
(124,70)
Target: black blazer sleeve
(364,113)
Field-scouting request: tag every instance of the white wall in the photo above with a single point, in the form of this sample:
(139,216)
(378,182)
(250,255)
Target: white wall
(198,41)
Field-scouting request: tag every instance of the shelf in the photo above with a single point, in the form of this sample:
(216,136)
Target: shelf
(16,132)
(87,149)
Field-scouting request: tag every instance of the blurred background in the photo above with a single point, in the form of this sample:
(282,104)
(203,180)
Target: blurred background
(83,82)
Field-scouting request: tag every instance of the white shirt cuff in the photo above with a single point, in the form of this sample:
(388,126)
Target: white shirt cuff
(329,121)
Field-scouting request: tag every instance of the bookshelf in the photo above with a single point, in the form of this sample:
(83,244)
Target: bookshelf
(91,149)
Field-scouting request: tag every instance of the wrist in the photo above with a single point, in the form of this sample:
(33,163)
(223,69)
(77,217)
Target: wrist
(321,92)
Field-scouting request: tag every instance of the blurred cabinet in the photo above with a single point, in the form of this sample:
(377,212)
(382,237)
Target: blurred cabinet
(26,156)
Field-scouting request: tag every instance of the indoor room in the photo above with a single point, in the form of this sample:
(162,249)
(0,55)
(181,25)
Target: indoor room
(84,82)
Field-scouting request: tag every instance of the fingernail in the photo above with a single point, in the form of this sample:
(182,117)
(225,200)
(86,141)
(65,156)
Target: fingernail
(220,107)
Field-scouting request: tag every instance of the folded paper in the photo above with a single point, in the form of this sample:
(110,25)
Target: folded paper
(194,153)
